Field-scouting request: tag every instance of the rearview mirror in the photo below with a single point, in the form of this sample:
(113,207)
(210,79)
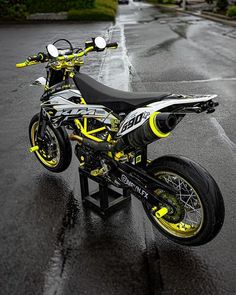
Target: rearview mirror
(52,50)
(100,43)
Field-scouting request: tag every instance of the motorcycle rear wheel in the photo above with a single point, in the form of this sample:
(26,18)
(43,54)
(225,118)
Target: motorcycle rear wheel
(199,197)
(57,153)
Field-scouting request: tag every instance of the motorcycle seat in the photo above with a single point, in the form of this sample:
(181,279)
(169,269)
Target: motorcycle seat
(119,101)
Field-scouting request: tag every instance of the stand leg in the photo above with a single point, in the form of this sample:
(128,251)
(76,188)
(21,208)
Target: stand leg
(106,200)
(83,185)
(103,190)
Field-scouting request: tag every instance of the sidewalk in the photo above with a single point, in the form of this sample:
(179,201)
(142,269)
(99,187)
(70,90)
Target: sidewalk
(197,8)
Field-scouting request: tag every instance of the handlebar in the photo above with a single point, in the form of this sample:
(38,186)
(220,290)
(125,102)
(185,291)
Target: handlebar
(112,45)
(33,60)
(42,57)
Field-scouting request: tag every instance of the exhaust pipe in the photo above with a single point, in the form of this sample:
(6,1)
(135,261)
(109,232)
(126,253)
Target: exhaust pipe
(156,127)
(97,146)
(77,138)
(165,122)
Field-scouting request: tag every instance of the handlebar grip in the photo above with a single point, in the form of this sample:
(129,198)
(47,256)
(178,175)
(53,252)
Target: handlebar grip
(112,45)
(21,65)
(40,57)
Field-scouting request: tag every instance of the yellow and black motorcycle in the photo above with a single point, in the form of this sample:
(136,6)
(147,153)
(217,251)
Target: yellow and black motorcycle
(112,129)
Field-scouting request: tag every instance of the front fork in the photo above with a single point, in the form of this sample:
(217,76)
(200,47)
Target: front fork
(42,125)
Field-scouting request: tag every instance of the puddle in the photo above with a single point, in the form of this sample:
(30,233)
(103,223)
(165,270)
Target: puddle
(163,46)
(180,29)
(231,34)
(56,274)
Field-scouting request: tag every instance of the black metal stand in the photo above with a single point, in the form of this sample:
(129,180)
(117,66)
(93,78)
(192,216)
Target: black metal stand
(106,200)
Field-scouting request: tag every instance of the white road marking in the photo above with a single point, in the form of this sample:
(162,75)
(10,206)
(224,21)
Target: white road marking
(219,79)
(209,80)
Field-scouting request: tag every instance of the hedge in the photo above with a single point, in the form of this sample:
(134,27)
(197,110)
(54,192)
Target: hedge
(77,9)
(111,4)
(96,14)
(58,5)
(105,10)
(19,8)
(231,12)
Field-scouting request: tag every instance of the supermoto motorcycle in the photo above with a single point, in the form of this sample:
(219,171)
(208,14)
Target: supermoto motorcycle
(112,129)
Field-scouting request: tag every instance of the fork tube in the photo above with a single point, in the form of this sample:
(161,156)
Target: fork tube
(42,124)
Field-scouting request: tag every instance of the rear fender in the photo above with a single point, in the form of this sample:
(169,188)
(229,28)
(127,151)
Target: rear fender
(172,104)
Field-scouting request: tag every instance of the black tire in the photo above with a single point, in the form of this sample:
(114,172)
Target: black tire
(63,151)
(206,200)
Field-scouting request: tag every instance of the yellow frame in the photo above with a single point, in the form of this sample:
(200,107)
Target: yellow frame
(84,130)
(83,127)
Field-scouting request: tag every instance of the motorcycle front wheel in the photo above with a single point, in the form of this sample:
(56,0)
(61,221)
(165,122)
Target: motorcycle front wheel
(199,213)
(55,151)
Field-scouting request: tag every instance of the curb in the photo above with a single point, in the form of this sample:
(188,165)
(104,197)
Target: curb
(220,20)
(202,15)
(218,15)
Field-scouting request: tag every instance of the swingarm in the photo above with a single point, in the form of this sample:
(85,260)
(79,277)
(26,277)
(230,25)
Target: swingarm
(143,185)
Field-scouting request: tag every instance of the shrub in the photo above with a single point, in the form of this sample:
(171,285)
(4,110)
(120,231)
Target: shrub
(78,9)
(111,4)
(168,1)
(231,12)
(14,9)
(58,5)
(4,7)
(83,4)
(94,14)
(104,10)
(221,5)
(17,11)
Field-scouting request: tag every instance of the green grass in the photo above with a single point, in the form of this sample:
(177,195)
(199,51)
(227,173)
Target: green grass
(105,10)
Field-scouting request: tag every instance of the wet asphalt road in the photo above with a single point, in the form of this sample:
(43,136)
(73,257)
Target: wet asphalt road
(185,54)
(49,243)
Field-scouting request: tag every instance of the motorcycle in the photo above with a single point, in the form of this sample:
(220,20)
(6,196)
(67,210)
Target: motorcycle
(112,129)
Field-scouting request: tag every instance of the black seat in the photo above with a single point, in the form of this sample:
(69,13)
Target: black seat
(118,101)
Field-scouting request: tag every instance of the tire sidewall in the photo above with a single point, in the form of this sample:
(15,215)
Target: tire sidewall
(64,145)
(207,190)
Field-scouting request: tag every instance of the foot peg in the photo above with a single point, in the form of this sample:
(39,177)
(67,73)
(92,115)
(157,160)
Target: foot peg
(34,149)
